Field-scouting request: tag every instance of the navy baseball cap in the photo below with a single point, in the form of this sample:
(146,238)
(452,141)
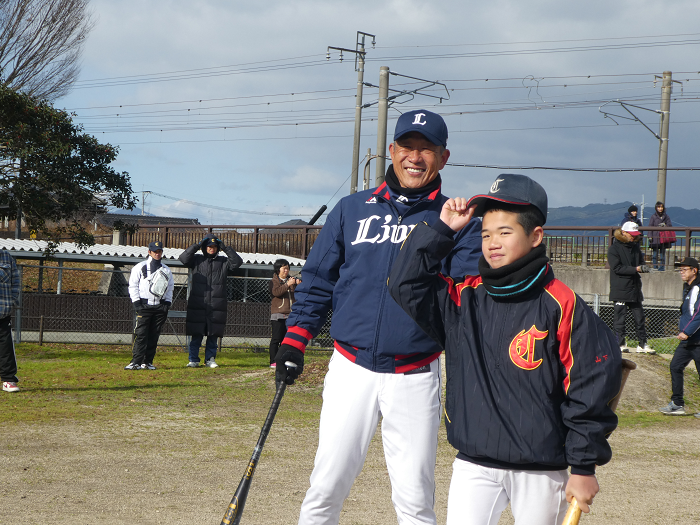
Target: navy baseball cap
(510,188)
(211,241)
(155,245)
(429,124)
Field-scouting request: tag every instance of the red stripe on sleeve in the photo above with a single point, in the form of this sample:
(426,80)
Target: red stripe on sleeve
(293,342)
(566,298)
(302,332)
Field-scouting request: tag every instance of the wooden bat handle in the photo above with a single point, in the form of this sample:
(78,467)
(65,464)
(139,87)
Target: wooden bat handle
(573,513)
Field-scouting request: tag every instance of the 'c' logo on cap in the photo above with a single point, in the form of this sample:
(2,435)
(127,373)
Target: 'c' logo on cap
(494,186)
(417,119)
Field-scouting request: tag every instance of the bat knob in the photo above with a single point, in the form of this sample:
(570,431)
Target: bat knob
(289,364)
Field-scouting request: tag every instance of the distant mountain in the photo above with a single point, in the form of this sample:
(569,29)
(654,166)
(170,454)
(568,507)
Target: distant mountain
(612,215)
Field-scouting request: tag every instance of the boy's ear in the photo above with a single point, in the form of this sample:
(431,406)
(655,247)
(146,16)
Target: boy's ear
(537,236)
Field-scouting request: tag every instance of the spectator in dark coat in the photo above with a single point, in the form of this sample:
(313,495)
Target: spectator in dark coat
(658,247)
(206,306)
(626,263)
(631,216)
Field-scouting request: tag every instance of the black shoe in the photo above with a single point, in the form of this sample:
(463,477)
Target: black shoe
(148,366)
(132,366)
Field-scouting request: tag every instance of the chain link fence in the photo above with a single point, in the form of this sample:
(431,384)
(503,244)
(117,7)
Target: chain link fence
(90,305)
(661,321)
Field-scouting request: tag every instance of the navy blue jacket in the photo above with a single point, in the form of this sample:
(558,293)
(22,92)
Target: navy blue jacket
(690,312)
(529,378)
(347,270)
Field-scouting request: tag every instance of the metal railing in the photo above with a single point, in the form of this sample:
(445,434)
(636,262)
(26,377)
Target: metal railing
(292,241)
(584,245)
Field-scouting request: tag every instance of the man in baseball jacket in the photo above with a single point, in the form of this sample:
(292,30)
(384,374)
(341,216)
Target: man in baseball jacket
(151,291)
(384,366)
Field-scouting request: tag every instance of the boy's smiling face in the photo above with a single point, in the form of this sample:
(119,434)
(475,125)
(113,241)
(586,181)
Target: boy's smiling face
(503,239)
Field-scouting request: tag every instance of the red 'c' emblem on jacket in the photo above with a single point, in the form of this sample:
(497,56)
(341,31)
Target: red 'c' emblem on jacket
(522,348)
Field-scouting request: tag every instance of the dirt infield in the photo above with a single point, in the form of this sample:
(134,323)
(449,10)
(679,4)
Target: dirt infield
(181,467)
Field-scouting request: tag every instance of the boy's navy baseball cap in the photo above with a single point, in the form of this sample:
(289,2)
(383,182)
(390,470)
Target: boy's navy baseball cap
(510,188)
(429,124)
(155,245)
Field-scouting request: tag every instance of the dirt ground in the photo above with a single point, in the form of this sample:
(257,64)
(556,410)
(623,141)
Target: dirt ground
(178,469)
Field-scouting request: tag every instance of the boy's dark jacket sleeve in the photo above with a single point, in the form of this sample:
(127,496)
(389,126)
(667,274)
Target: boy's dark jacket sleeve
(415,278)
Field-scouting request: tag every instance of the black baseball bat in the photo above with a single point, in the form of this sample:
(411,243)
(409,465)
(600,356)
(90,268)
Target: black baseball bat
(318,214)
(235,508)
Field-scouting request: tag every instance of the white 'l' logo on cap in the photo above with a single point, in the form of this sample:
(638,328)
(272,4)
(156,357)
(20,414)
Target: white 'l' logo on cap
(494,186)
(417,118)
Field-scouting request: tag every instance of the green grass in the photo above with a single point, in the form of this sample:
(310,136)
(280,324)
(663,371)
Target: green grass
(75,383)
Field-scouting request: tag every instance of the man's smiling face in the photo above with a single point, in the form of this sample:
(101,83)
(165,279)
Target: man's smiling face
(416,160)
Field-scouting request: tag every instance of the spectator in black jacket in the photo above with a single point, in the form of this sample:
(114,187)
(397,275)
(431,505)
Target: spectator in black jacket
(631,216)
(626,264)
(207,304)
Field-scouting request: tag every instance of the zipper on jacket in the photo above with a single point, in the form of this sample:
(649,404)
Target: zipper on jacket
(399,218)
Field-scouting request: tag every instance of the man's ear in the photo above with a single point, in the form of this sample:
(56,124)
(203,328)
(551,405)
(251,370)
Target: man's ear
(537,236)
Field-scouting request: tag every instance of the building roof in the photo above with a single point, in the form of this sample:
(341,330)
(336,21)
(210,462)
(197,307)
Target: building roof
(115,254)
(108,219)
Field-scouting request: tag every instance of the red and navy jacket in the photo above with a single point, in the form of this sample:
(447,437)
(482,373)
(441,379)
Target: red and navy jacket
(529,378)
(347,270)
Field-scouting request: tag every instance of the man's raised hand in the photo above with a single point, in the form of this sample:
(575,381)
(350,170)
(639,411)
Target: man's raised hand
(455,213)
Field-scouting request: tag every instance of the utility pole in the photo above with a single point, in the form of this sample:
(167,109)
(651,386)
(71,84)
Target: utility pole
(360,53)
(143,201)
(383,109)
(663,136)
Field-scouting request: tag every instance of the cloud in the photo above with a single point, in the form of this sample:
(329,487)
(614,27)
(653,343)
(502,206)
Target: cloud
(279,153)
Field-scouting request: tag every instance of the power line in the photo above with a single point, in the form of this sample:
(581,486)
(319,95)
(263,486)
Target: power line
(541,41)
(611,47)
(210,206)
(550,168)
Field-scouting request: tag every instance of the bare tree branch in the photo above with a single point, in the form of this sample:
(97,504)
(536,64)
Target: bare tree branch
(41,43)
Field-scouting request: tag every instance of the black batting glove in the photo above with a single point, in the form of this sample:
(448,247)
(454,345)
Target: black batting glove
(288,373)
(137,306)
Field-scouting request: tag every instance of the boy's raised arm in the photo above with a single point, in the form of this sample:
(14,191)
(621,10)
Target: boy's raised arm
(415,280)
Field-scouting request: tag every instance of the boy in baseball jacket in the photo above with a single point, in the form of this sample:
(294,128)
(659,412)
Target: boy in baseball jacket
(530,368)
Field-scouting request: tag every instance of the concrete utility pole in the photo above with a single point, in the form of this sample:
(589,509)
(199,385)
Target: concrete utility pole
(383,109)
(360,68)
(663,136)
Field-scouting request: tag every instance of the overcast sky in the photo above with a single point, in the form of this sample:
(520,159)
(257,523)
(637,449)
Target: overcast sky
(234,104)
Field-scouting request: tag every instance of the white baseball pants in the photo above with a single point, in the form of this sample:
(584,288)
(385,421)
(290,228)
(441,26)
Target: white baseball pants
(353,400)
(478,495)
